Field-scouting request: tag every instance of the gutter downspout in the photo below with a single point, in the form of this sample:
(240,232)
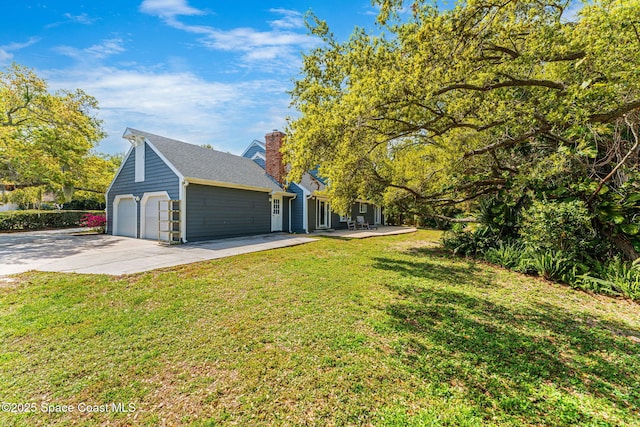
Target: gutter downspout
(183,210)
(106,212)
(291,200)
(305,209)
(138,231)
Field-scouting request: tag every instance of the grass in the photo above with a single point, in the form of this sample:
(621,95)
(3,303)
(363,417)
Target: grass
(389,331)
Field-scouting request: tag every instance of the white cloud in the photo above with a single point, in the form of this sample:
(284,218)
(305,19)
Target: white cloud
(103,50)
(5,56)
(6,50)
(168,8)
(80,19)
(106,48)
(257,48)
(291,19)
(179,105)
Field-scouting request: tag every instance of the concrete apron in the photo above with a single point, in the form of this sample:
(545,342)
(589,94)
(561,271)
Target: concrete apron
(101,254)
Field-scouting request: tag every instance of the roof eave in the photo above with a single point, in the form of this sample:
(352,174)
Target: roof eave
(212,183)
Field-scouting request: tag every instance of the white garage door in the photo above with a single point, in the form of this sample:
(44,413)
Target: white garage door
(150,208)
(125,215)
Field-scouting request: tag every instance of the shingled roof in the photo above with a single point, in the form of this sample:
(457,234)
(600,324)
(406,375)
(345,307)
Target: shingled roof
(206,164)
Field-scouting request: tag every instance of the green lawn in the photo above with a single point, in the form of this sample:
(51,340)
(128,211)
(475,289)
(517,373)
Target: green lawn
(384,331)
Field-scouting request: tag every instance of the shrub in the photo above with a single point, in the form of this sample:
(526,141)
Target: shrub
(548,264)
(38,220)
(96,222)
(557,226)
(552,265)
(617,277)
(508,255)
(470,243)
(499,215)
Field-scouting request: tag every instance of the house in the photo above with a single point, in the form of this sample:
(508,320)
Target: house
(182,192)
(5,205)
(179,192)
(310,209)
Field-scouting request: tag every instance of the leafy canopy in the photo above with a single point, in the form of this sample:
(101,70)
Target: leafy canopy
(446,107)
(46,139)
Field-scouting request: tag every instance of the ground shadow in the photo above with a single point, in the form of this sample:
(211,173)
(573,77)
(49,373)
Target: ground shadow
(15,249)
(465,273)
(497,353)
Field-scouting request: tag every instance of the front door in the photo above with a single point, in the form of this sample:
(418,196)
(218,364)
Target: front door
(324,214)
(276,213)
(377,217)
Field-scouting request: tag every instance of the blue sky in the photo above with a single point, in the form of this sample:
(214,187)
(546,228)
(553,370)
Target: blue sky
(200,71)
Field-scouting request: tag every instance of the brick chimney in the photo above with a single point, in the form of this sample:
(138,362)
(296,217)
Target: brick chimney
(275,166)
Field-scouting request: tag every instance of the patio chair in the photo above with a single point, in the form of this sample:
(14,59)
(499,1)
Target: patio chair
(351,225)
(361,224)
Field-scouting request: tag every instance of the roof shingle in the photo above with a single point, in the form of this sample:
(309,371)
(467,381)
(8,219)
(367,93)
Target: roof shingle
(197,162)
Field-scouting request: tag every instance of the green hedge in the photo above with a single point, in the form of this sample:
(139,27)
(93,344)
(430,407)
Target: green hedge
(38,220)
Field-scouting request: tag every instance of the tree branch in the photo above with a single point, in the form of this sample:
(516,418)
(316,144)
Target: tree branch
(610,116)
(619,165)
(512,82)
(571,56)
(454,220)
(506,142)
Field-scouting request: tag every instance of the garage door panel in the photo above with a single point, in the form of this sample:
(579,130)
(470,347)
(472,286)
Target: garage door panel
(126,213)
(151,209)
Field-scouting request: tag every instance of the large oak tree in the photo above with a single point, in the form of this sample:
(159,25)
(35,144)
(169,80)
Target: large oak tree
(46,139)
(508,97)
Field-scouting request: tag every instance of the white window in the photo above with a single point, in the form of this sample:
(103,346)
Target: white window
(345,218)
(363,207)
(276,206)
(139,174)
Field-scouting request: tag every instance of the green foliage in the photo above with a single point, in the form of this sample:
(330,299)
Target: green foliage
(448,106)
(551,265)
(38,220)
(46,139)
(616,277)
(508,255)
(26,198)
(499,215)
(469,243)
(557,226)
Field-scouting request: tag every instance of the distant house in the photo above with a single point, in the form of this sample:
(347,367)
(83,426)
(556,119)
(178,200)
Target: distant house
(310,210)
(5,190)
(177,191)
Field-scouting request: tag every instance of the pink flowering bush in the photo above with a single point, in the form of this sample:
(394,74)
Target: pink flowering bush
(97,222)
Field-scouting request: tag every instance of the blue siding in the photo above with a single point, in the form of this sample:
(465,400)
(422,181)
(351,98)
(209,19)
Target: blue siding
(260,162)
(335,222)
(253,149)
(297,206)
(217,212)
(355,212)
(369,216)
(158,177)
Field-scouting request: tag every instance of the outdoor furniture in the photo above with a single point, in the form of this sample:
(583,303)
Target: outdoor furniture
(351,225)
(361,223)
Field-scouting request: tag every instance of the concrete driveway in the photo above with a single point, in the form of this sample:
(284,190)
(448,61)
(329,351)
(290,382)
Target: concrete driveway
(61,251)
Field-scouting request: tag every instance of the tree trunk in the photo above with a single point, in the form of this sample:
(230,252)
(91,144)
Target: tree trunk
(620,241)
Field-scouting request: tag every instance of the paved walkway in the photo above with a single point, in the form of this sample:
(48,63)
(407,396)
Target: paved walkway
(60,251)
(386,230)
